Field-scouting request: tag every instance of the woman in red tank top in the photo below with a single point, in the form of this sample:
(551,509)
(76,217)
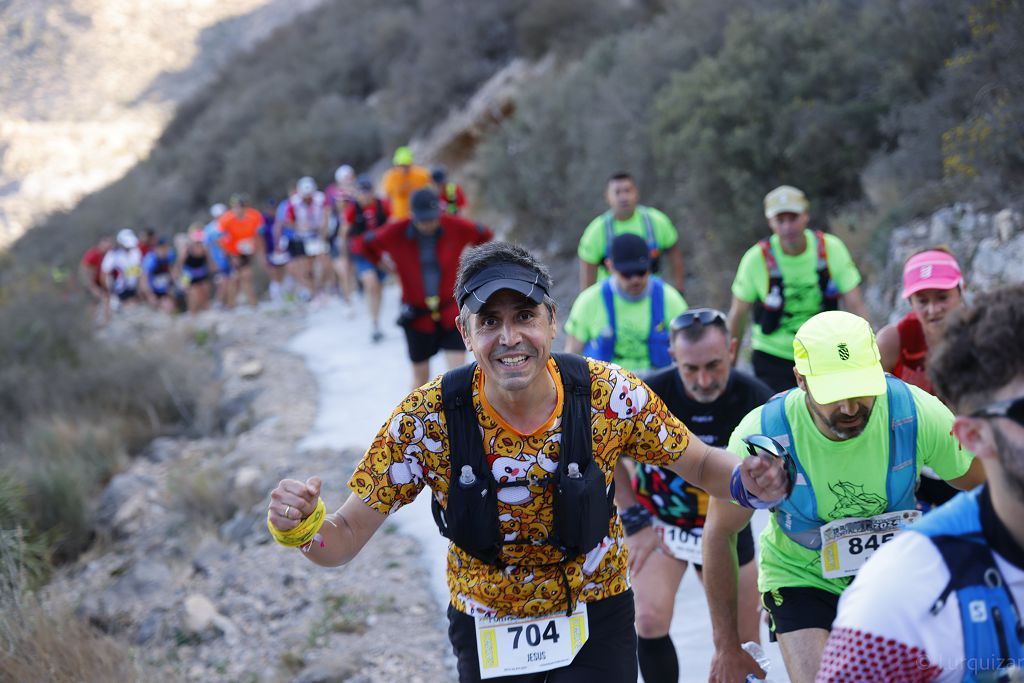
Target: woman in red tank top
(933,283)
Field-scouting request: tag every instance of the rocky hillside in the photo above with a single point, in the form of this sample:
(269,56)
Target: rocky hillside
(989,247)
(87,86)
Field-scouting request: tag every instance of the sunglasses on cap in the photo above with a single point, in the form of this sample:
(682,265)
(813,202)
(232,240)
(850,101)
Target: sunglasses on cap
(759,444)
(705,316)
(1012,409)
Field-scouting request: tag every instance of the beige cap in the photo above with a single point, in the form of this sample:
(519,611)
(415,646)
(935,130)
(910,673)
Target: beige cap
(784,199)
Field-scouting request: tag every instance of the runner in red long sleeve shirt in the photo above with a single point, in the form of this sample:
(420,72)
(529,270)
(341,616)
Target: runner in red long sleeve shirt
(426,250)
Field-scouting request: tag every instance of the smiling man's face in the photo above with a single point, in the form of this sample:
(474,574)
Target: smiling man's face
(511,338)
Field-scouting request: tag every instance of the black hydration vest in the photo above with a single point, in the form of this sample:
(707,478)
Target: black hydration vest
(583,506)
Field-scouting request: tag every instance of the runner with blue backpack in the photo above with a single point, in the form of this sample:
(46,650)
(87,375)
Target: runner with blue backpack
(857,439)
(624,319)
(625,215)
(942,602)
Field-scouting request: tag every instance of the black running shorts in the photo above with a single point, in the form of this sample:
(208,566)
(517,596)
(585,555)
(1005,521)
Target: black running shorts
(423,345)
(792,609)
(608,655)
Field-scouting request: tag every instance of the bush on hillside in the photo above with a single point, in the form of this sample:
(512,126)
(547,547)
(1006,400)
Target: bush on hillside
(72,407)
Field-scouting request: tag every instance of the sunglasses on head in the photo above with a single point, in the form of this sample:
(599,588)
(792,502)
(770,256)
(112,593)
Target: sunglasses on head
(1012,409)
(705,316)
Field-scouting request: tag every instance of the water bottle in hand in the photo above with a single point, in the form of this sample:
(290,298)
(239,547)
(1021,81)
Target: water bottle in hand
(755,651)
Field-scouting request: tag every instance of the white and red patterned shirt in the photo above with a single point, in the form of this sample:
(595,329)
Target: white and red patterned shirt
(885,631)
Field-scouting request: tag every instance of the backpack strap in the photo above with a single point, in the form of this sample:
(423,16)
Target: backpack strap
(576,431)
(829,291)
(901,479)
(797,516)
(658,336)
(609,233)
(471,518)
(602,347)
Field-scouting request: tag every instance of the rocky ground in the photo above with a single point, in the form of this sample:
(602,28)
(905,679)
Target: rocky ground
(186,573)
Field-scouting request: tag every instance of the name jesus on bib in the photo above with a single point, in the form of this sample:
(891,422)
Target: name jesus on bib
(517,645)
(846,544)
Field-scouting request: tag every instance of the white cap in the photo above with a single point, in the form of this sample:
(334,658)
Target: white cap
(344,171)
(127,239)
(306,186)
(218,209)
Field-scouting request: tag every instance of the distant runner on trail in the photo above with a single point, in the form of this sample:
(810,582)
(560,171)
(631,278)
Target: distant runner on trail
(787,278)
(933,284)
(449,193)
(662,513)
(240,228)
(365,213)
(158,281)
(518,450)
(942,602)
(122,269)
(624,319)
(197,270)
(626,215)
(90,274)
(306,218)
(402,180)
(858,439)
(426,250)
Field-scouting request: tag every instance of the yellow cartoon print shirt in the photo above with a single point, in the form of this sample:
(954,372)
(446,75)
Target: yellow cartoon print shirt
(411,450)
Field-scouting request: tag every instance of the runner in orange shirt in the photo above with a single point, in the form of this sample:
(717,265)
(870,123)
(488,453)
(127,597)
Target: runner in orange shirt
(241,228)
(401,180)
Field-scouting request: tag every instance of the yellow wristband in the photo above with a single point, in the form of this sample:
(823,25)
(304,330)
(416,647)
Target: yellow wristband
(304,532)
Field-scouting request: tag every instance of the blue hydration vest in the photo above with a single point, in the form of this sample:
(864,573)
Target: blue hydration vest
(991,623)
(603,346)
(797,516)
(652,243)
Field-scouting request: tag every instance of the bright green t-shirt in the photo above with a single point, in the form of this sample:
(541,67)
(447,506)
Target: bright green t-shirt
(800,287)
(848,478)
(594,243)
(588,320)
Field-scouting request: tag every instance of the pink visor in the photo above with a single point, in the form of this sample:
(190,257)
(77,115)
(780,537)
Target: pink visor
(931,270)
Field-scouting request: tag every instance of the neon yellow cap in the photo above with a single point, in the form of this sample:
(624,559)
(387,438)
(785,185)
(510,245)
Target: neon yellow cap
(836,353)
(403,157)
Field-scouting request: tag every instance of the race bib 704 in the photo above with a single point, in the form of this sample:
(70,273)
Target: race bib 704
(517,645)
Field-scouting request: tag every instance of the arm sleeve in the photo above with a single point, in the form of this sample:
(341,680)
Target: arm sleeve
(405,451)
(665,233)
(840,264)
(939,449)
(674,303)
(583,321)
(592,244)
(659,437)
(749,273)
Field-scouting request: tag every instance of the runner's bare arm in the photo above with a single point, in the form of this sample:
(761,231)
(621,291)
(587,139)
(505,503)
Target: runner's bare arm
(974,476)
(573,345)
(588,274)
(711,469)
(724,521)
(888,340)
(343,533)
(854,303)
(738,312)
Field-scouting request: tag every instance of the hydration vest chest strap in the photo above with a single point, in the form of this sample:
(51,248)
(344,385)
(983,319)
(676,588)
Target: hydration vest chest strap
(583,505)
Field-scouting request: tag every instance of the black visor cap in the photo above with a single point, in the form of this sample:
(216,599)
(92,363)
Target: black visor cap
(475,293)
